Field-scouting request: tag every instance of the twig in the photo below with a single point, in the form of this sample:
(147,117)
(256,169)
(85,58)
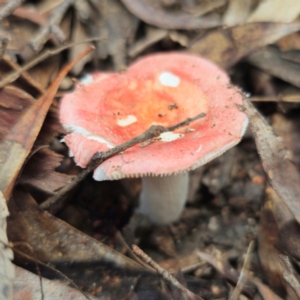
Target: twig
(9,7)
(293,98)
(288,274)
(187,294)
(52,204)
(243,276)
(131,254)
(58,33)
(15,74)
(52,26)
(4,43)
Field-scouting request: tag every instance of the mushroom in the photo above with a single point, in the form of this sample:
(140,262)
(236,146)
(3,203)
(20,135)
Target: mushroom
(162,89)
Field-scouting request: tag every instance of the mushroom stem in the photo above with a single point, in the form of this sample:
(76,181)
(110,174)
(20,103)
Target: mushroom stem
(162,198)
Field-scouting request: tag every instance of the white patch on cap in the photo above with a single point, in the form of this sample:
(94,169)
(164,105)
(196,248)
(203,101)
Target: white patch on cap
(88,135)
(170,136)
(87,79)
(130,119)
(169,79)
(100,174)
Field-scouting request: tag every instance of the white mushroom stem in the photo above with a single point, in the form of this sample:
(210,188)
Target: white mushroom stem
(162,198)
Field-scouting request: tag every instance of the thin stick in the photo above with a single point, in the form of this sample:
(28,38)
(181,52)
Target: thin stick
(52,26)
(9,7)
(52,204)
(164,274)
(130,252)
(292,98)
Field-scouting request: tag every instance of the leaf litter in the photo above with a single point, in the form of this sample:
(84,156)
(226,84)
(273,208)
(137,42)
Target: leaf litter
(249,194)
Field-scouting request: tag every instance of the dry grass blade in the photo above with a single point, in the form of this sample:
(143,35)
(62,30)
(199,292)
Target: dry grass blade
(243,275)
(281,172)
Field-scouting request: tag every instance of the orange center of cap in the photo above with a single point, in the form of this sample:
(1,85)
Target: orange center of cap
(165,99)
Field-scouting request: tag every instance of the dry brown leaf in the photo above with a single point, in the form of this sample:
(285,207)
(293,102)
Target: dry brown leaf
(54,241)
(273,215)
(270,61)
(289,129)
(13,103)
(27,286)
(25,81)
(237,12)
(228,271)
(153,35)
(17,144)
(153,13)
(276,11)
(79,34)
(19,32)
(116,27)
(227,46)
(39,172)
(46,71)
(203,7)
(282,174)
(44,7)
(289,42)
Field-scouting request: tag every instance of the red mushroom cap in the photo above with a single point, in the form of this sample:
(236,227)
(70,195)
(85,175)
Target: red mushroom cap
(160,89)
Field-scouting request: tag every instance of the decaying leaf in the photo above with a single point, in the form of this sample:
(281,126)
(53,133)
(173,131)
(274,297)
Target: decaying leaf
(79,34)
(39,172)
(282,174)
(274,214)
(269,59)
(18,142)
(202,8)
(275,11)
(7,269)
(116,28)
(25,81)
(288,127)
(227,46)
(155,14)
(26,286)
(45,72)
(13,102)
(237,12)
(227,270)
(64,246)
(153,35)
